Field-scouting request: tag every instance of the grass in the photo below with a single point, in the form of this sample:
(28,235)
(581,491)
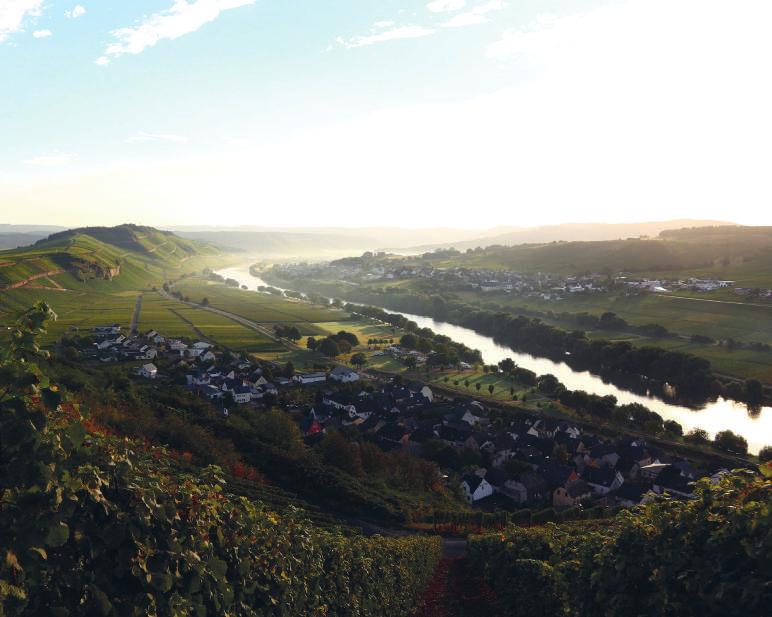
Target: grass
(260,308)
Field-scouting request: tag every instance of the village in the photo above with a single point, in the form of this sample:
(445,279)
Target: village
(495,460)
(540,285)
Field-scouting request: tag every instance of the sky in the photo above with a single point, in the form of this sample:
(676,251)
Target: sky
(417,113)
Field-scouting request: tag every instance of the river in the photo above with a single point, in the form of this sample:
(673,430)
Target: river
(713,417)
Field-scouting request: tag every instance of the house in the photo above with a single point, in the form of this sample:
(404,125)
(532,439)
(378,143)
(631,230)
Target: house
(343,374)
(202,345)
(422,390)
(603,480)
(241,394)
(573,493)
(309,378)
(527,487)
(211,393)
(629,494)
(177,345)
(673,482)
(475,488)
(149,371)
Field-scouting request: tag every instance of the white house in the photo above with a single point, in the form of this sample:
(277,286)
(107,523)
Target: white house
(475,488)
(177,345)
(202,345)
(343,374)
(241,394)
(308,378)
(149,370)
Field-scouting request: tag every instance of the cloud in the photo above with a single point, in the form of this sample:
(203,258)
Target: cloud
(445,6)
(142,137)
(383,24)
(13,14)
(77,11)
(42,34)
(400,32)
(476,15)
(182,18)
(51,160)
(102,61)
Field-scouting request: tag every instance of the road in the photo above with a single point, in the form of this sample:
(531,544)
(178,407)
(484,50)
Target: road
(766,306)
(247,323)
(135,314)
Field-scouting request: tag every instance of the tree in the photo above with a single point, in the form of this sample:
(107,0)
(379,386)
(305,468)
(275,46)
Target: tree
(339,452)
(358,359)
(765,454)
(477,386)
(329,347)
(547,384)
(754,391)
(289,370)
(409,341)
(491,389)
(311,343)
(671,426)
(731,442)
(507,366)
(205,302)
(698,436)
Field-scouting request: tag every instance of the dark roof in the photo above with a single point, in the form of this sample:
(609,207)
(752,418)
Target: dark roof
(631,491)
(601,477)
(533,482)
(392,432)
(497,477)
(577,488)
(472,481)
(671,477)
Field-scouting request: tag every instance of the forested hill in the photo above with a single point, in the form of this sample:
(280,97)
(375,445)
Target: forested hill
(712,248)
(91,253)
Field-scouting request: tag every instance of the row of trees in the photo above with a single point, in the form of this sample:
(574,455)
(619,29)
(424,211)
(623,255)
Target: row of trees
(639,368)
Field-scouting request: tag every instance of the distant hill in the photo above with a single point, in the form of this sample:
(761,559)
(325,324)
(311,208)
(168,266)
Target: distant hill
(326,241)
(570,232)
(89,253)
(14,240)
(727,249)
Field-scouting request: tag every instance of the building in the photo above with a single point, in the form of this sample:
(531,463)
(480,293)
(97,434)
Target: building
(343,374)
(149,371)
(475,488)
(573,493)
(309,378)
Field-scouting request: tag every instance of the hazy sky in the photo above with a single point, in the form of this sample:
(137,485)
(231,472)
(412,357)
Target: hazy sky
(364,112)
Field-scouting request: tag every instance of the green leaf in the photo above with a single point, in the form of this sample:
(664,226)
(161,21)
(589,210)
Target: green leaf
(162,581)
(76,433)
(58,535)
(218,567)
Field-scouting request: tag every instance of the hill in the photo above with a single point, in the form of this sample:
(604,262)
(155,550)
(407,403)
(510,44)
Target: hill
(569,232)
(713,248)
(94,253)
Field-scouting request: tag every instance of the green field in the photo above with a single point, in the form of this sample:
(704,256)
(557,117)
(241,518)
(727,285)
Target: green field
(261,308)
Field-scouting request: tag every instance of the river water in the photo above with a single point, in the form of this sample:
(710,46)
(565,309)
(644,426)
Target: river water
(722,414)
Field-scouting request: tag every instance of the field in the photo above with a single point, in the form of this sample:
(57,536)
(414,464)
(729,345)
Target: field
(260,308)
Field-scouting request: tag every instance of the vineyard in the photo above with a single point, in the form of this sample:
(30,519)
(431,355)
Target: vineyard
(92,524)
(709,556)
